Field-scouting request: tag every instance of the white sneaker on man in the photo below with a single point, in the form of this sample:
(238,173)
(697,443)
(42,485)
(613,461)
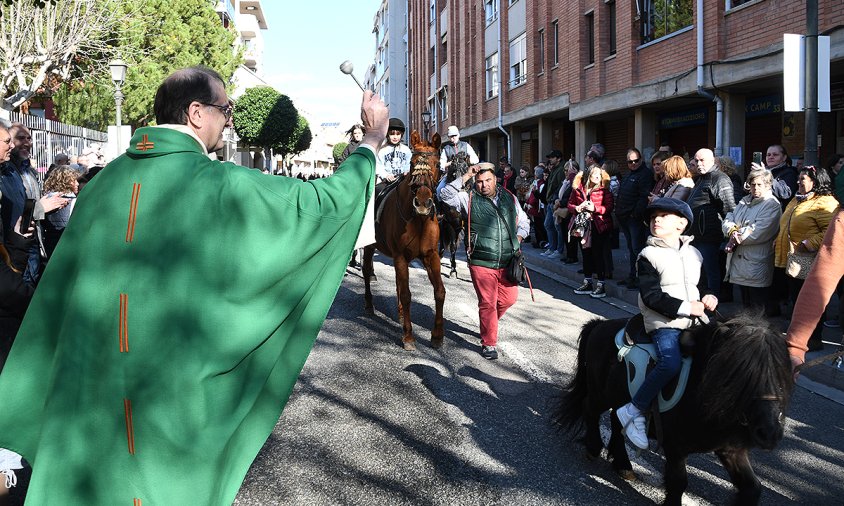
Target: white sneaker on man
(546,252)
(633,424)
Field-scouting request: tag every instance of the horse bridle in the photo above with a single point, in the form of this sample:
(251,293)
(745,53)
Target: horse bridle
(420,171)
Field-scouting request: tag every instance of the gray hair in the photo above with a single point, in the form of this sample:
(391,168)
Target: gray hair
(763,174)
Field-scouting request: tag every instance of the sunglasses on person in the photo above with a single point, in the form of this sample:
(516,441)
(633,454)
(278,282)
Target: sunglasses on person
(227,109)
(633,161)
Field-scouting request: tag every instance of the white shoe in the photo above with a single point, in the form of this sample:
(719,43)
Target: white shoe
(554,254)
(547,252)
(633,425)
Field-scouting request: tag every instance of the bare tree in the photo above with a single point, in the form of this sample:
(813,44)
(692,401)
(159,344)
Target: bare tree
(38,42)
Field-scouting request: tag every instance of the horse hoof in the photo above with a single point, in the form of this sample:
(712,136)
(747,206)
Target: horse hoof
(627,475)
(409,346)
(452,274)
(436,342)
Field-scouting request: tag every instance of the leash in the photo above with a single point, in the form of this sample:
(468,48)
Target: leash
(820,360)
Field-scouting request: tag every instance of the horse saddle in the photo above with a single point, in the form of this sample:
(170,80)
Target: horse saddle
(638,351)
(382,196)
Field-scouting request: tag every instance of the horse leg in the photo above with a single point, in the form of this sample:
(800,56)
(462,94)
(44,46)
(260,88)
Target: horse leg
(618,451)
(737,464)
(432,265)
(676,477)
(368,270)
(403,293)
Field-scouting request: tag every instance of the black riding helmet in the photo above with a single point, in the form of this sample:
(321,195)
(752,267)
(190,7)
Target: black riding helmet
(396,124)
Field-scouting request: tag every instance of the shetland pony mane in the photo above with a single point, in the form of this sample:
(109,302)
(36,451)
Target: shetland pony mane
(748,362)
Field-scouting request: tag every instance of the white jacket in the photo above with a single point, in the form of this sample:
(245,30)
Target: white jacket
(757,221)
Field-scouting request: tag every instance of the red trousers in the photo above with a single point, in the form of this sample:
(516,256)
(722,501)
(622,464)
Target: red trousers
(495,296)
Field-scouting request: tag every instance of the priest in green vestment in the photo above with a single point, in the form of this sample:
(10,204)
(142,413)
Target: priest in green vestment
(177,311)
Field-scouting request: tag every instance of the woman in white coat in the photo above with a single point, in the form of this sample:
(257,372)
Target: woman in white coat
(750,230)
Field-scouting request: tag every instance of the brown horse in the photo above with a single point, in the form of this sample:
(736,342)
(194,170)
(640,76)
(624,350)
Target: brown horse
(408,229)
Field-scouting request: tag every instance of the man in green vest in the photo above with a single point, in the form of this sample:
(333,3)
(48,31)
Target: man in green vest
(177,312)
(496,226)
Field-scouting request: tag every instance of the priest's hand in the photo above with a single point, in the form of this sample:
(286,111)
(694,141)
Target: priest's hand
(374,115)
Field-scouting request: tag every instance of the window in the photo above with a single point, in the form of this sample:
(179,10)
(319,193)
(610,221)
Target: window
(492,75)
(736,3)
(663,17)
(513,1)
(491,10)
(444,105)
(556,27)
(611,49)
(590,38)
(518,61)
(432,13)
(541,42)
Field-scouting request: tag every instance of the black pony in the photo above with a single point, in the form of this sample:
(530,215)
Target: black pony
(450,219)
(738,389)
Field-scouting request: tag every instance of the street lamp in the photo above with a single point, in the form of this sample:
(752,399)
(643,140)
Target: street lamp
(426,121)
(118,76)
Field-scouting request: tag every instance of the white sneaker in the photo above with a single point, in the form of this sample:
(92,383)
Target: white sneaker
(554,254)
(633,425)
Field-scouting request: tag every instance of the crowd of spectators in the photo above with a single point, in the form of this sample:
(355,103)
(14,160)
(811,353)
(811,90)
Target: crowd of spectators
(747,231)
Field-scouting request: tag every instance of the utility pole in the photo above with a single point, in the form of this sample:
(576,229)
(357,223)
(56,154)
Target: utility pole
(810,156)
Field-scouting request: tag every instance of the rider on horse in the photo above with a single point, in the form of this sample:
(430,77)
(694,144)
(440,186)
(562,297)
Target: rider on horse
(394,158)
(669,270)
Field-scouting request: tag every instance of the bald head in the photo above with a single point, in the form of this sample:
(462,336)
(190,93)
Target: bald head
(705,159)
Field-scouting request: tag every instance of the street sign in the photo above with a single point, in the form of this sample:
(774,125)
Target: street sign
(794,73)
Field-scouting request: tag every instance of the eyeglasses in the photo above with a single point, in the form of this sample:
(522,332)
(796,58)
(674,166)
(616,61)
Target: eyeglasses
(225,109)
(633,161)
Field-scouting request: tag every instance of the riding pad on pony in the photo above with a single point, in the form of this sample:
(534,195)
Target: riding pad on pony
(639,354)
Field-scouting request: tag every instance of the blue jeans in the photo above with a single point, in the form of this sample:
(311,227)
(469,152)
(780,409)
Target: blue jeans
(667,366)
(551,228)
(711,266)
(636,234)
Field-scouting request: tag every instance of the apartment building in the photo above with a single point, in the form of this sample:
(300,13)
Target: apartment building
(523,77)
(388,74)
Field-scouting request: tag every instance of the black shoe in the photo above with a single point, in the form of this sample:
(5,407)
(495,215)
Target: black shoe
(586,288)
(489,352)
(569,261)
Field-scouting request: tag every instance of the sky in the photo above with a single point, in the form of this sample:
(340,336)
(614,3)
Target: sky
(304,45)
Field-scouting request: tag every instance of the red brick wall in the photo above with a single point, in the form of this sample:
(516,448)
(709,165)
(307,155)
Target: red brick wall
(728,35)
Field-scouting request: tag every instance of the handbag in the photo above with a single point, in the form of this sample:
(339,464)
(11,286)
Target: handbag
(797,263)
(516,268)
(580,224)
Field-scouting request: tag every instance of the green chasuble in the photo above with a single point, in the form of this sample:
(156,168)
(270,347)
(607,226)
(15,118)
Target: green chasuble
(171,324)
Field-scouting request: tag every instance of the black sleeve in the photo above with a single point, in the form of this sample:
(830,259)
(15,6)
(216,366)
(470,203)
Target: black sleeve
(651,291)
(15,294)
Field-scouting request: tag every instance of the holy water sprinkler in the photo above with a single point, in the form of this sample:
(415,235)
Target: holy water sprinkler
(347,68)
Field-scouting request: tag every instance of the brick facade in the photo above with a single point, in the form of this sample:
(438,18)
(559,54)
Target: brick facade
(633,88)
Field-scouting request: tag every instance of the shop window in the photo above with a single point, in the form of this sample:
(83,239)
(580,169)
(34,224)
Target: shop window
(663,17)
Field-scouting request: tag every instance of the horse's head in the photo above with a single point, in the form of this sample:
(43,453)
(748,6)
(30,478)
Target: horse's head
(424,173)
(747,381)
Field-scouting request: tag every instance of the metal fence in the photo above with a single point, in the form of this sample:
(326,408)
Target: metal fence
(50,138)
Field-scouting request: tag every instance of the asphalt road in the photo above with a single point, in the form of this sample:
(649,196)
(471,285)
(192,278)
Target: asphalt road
(369,423)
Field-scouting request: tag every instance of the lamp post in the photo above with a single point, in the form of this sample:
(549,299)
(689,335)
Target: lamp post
(426,121)
(118,76)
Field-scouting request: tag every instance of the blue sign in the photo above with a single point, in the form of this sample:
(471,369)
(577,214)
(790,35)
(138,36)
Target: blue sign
(761,106)
(683,118)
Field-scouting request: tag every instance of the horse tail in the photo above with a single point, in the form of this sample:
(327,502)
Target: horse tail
(568,415)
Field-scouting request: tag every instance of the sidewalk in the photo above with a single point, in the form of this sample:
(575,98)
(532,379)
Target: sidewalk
(826,374)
